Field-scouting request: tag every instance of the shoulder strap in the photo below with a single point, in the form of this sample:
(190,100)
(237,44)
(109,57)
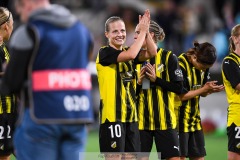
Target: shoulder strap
(233,57)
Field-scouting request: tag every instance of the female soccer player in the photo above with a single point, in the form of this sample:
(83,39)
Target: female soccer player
(195,64)
(8,111)
(231,80)
(157,119)
(117,85)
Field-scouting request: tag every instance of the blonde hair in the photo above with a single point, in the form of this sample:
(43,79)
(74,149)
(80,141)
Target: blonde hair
(235,32)
(5,15)
(111,20)
(159,34)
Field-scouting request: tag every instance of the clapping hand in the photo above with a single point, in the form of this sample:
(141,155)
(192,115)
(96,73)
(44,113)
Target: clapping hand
(212,87)
(144,21)
(150,72)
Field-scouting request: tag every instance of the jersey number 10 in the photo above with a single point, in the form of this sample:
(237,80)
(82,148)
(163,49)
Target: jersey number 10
(115,131)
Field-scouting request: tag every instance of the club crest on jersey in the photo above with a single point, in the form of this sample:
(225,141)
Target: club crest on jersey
(160,68)
(2,146)
(114,144)
(127,76)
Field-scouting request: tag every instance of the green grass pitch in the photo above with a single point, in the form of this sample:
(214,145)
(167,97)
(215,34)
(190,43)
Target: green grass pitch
(216,146)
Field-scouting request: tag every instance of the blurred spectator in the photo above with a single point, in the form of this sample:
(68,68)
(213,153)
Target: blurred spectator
(171,21)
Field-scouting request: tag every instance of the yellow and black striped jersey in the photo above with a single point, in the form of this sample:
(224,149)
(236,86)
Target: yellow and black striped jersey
(189,113)
(231,78)
(7,103)
(117,86)
(156,105)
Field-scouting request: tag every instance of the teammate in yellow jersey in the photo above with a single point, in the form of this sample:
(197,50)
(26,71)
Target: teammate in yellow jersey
(157,120)
(195,64)
(117,85)
(231,80)
(8,110)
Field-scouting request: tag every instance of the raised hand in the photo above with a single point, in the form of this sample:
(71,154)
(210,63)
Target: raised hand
(144,21)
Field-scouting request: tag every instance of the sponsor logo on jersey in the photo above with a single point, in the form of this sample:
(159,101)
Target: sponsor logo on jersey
(178,72)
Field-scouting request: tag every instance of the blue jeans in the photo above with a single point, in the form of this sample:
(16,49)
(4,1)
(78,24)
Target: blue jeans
(49,142)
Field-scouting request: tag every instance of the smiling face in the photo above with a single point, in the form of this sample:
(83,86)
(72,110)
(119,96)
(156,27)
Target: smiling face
(116,34)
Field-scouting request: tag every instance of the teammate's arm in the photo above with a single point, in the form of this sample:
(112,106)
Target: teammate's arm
(134,49)
(151,49)
(208,88)
(132,52)
(149,71)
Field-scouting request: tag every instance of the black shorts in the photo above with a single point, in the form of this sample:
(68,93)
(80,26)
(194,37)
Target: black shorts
(7,126)
(119,137)
(192,144)
(233,133)
(166,141)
